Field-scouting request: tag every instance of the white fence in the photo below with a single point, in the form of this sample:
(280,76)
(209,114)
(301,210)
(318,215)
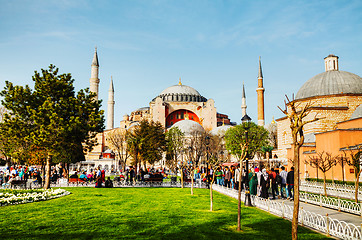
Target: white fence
(334,203)
(337,190)
(321,223)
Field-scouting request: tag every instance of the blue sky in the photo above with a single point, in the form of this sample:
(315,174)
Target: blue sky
(213,46)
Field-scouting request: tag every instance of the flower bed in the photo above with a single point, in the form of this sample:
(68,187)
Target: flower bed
(10,197)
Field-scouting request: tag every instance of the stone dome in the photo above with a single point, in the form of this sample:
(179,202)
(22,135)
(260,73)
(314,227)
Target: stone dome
(181,93)
(331,83)
(221,130)
(357,113)
(188,126)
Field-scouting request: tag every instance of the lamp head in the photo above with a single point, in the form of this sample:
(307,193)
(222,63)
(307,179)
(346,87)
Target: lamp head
(246,118)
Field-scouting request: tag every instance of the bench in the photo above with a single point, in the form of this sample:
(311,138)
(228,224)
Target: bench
(77,181)
(156,178)
(18,184)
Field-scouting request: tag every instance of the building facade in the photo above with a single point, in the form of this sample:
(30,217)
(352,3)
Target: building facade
(334,96)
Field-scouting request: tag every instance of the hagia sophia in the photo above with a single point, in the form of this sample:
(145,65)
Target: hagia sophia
(336,98)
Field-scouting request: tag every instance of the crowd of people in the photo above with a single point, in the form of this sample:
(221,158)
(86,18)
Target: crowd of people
(14,173)
(275,182)
(261,183)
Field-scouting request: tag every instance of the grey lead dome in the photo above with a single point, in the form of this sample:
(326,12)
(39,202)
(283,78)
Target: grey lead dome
(331,83)
(181,93)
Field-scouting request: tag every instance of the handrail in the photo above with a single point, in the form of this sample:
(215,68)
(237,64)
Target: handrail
(337,190)
(334,203)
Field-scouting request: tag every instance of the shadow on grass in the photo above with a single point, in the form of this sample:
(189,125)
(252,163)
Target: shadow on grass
(175,228)
(141,214)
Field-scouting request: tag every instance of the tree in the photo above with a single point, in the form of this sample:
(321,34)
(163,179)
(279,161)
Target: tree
(245,140)
(354,159)
(195,148)
(146,142)
(174,148)
(52,118)
(235,136)
(324,162)
(215,151)
(267,149)
(117,140)
(297,123)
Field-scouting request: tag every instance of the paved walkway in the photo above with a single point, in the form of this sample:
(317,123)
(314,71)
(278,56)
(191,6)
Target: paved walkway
(342,216)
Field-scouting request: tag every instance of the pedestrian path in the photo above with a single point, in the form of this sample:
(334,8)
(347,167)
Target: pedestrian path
(341,216)
(337,224)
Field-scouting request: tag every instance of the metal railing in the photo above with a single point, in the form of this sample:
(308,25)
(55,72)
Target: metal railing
(333,203)
(330,226)
(336,190)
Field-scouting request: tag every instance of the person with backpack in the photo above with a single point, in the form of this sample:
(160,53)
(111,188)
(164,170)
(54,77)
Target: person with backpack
(278,180)
(274,186)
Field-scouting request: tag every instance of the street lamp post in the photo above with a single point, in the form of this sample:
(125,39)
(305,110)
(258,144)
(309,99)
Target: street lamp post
(247,121)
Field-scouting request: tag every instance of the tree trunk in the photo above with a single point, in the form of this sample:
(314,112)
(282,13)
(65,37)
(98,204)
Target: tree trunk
(296,193)
(182,178)
(211,195)
(332,176)
(192,183)
(47,172)
(239,194)
(324,184)
(356,186)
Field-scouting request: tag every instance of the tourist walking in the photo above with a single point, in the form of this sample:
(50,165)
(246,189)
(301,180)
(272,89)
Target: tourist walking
(264,183)
(290,182)
(218,175)
(236,177)
(283,185)
(273,180)
(227,177)
(253,182)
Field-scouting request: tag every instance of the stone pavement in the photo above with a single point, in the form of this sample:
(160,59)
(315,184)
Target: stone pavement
(342,216)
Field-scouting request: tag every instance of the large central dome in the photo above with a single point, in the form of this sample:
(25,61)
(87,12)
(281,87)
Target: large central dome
(180,89)
(331,82)
(181,93)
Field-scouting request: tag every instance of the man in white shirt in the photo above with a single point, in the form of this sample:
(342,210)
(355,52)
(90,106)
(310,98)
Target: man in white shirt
(236,177)
(283,186)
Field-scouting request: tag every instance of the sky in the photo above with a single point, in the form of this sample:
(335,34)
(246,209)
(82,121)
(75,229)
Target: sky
(213,46)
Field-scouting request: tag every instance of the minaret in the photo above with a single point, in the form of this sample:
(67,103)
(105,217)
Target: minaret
(243,103)
(260,91)
(94,80)
(110,109)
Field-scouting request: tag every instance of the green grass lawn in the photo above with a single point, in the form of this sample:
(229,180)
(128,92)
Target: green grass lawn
(141,213)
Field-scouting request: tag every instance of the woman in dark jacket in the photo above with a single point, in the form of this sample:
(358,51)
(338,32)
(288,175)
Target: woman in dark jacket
(264,182)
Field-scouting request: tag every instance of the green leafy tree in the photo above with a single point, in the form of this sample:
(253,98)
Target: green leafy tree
(146,142)
(235,136)
(52,118)
(267,150)
(241,145)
